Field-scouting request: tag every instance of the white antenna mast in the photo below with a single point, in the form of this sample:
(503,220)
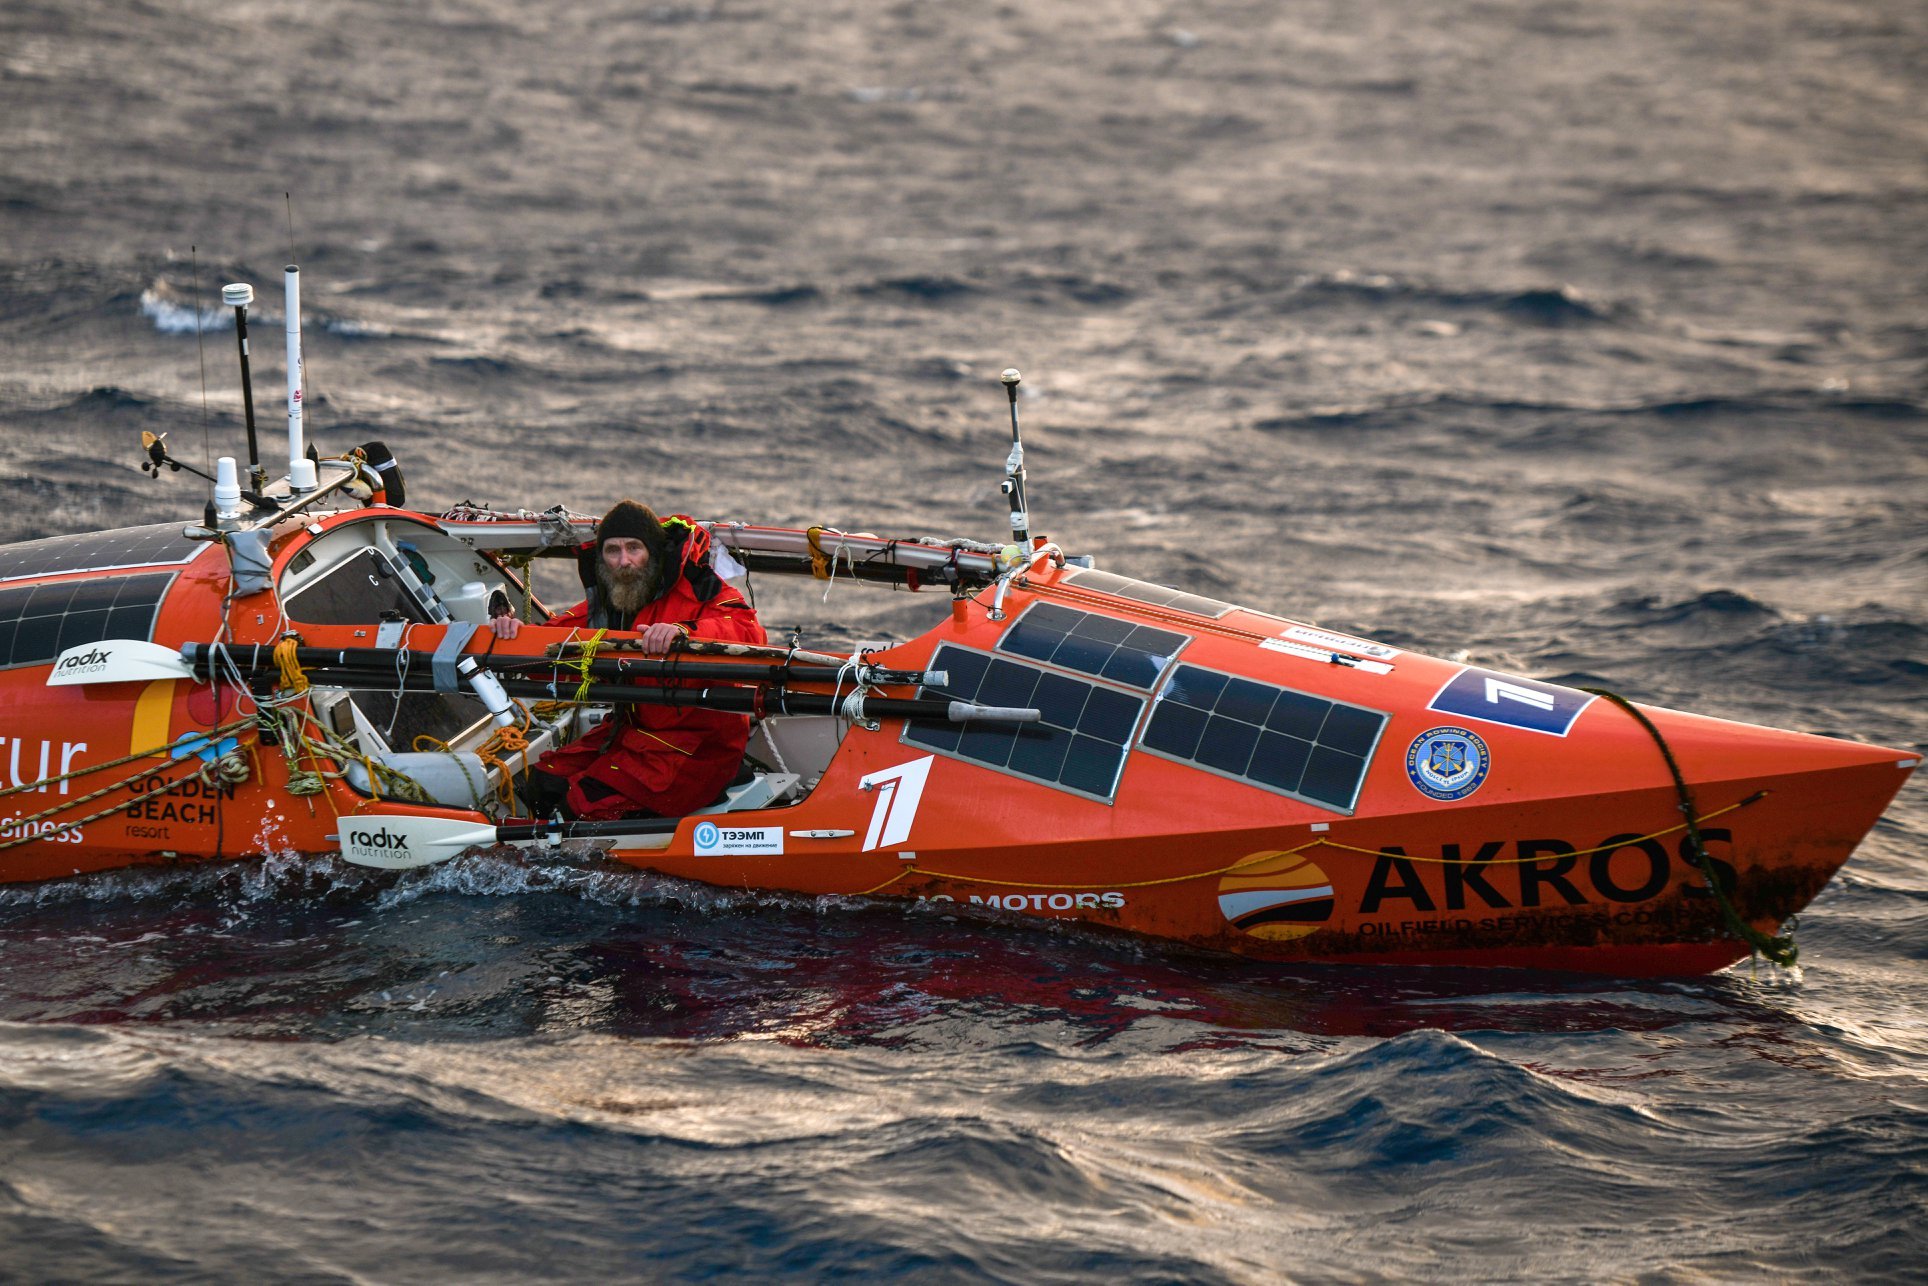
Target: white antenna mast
(301,470)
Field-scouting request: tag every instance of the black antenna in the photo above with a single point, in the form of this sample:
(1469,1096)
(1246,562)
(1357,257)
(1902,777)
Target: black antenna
(201,350)
(238,296)
(1014,465)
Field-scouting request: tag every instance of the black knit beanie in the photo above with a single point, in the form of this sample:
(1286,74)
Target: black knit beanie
(630,519)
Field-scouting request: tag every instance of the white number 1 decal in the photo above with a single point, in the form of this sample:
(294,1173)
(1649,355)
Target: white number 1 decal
(1497,691)
(899,790)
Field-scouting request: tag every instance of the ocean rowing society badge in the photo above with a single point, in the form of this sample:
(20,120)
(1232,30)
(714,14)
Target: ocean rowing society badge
(1447,763)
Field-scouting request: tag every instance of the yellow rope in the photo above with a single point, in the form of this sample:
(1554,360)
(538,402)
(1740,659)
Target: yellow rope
(213,736)
(819,561)
(588,649)
(1544,857)
(229,769)
(910,868)
(292,677)
(1255,859)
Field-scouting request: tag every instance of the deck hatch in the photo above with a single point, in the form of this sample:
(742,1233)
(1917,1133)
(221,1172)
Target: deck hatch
(1078,746)
(1094,644)
(1297,744)
(1138,591)
(157,545)
(39,622)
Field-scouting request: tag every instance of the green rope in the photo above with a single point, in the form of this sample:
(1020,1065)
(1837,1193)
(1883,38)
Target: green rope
(1779,949)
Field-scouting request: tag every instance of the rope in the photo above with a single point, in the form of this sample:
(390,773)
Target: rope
(292,677)
(587,649)
(1547,857)
(852,708)
(910,868)
(1778,948)
(820,563)
(215,735)
(228,769)
(495,753)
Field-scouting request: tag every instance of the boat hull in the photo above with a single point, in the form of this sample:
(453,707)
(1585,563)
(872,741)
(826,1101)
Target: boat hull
(1461,817)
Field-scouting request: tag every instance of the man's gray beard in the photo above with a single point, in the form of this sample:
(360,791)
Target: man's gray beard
(626,597)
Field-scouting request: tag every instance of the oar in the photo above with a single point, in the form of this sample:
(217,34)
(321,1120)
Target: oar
(387,662)
(118,661)
(400,842)
(710,647)
(754,699)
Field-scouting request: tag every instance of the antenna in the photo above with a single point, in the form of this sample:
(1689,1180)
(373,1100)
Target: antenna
(301,470)
(1013,485)
(238,296)
(201,351)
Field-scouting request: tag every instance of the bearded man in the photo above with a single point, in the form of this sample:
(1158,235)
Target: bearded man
(652,576)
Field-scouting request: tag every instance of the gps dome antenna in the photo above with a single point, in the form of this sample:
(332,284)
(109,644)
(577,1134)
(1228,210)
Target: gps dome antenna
(238,296)
(1013,485)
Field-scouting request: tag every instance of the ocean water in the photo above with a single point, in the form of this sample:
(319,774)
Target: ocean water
(1586,341)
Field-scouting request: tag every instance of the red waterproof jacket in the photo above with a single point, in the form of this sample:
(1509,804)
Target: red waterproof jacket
(664,760)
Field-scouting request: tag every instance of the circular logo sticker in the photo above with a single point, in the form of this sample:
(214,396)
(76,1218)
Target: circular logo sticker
(706,835)
(1276,895)
(1447,763)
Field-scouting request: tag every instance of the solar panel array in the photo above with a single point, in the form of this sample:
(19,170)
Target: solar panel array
(1286,741)
(158,545)
(1145,592)
(39,622)
(1078,746)
(1093,644)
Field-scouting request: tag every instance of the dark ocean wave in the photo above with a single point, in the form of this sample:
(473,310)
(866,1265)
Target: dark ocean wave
(1560,424)
(1605,368)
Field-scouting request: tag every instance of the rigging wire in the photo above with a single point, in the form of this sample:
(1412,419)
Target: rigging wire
(200,348)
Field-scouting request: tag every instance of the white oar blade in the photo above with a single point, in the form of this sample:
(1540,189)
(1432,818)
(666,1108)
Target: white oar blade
(398,843)
(118,661)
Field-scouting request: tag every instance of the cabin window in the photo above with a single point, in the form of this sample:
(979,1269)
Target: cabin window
(39,622)
(1138,591)
(1134,655)
(1079,745)
(1290,742)
(158,545)
(366,590)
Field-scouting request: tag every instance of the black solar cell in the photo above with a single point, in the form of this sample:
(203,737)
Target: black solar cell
(158,545)
(1279,761)
(1175,729)
(39,622)
(1273,737)
(1332,776)
(1093,643)
(1079,744)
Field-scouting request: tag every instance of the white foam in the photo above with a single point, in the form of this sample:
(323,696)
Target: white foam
(171,318)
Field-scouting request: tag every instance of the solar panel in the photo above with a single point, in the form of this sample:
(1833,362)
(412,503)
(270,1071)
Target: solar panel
(1104,646)
(1290,742)
(1079,745)
(1139,591)
(39,622)
(158,545)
